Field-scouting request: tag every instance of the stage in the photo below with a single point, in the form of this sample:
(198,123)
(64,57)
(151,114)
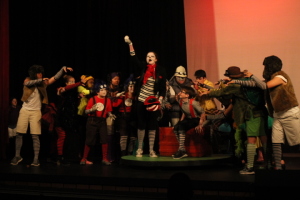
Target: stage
(216,180)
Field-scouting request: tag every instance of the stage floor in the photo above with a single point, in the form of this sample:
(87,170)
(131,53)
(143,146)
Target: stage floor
(121,181)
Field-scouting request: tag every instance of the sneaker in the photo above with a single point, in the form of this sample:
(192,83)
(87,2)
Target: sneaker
(139,153)
(85,162)
(105,162)
(153,154)
(16,160)
(247,171)
(180,154)
(35,163)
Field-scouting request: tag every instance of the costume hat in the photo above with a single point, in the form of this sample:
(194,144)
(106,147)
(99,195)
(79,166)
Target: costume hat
(180,71)
(234,72)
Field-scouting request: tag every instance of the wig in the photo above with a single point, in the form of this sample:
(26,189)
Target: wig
(272,65)
(35,69)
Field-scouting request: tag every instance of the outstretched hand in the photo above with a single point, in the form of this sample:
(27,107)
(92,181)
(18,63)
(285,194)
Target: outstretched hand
(120,94)
(66,69)
(204,92)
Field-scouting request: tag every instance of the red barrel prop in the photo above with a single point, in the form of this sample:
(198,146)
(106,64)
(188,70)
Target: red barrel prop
(197,145)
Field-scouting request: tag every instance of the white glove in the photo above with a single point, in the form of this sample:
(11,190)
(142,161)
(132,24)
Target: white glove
(160,100)
(120,94)
(127,40)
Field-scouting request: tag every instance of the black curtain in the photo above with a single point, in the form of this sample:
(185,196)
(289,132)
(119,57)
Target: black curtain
(88,35)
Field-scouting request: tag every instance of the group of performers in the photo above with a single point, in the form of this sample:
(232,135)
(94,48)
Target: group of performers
(95,110)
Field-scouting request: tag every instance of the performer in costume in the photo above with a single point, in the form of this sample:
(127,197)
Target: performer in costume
(34,95)
(193,116)
(202,84)
(66,124)
(170,105)
(124,103)
(246,110)
(99,107)
(85,92)
(114,88)
(282,105)
(152,83)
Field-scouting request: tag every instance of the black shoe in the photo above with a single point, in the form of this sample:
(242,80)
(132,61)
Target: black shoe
(180,154)
(62,161)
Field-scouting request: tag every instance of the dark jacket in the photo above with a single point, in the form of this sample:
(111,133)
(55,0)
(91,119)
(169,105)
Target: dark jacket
(160,77)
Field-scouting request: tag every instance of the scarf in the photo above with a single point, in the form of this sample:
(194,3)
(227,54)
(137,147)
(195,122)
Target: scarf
(149,72)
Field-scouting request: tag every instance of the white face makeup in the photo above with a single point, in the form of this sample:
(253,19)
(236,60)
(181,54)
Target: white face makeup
(180,80)
(151,58)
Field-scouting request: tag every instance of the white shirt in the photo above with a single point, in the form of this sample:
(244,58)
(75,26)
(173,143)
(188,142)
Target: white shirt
(34,101)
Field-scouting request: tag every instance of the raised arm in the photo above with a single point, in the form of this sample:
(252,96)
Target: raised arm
(57,75)
(128,41)
(137,64)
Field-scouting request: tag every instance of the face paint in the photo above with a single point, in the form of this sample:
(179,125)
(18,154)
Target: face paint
(180,80)
(151,58)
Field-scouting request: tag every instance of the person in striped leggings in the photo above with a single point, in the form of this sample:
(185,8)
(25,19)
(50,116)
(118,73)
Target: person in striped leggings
(282,105)
(152,82)
(34,95)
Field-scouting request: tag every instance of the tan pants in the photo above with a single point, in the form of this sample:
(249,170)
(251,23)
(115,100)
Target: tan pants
(32,117)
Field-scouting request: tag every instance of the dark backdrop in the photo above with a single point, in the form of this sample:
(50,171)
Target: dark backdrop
(88,35)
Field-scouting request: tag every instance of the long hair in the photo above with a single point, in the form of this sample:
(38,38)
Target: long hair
(272,65)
